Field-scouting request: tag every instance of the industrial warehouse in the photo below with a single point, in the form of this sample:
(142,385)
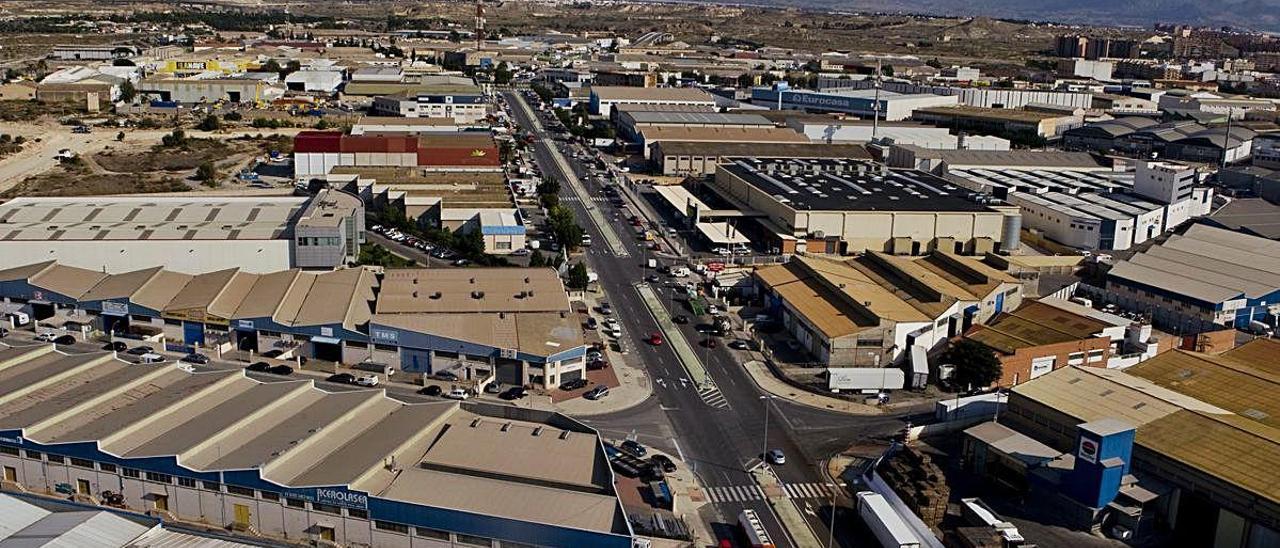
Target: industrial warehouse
(293,463)
(190,234)
(844,206)
(515,325)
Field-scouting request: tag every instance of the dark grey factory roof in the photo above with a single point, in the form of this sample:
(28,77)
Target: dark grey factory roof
(1251,216)
(657,117)
(1117,127)
(847,185)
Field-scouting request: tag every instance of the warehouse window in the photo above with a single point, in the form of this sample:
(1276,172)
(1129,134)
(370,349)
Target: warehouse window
(83,463)
(326,508)
(212,485)
(393,527)
(162,478)
(431,533)
(357,513)
(107,467)
(34,454)
(131,473)
(237,490)
(268,495)
(52,458)
(472,540)
(187,482)
(295,503)
(5,449)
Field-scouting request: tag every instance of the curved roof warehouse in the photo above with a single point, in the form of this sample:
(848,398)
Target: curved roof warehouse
(287,460)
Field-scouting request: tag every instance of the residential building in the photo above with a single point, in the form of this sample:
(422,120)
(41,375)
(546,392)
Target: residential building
(188,234)
(288,462)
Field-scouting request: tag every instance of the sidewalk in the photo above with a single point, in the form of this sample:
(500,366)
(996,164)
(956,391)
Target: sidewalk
(630,385)
(765,379)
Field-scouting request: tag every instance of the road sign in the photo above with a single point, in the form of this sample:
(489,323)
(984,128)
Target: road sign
(715,267)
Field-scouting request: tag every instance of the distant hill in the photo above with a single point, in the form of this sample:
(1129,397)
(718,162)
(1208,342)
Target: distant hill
(1262,15)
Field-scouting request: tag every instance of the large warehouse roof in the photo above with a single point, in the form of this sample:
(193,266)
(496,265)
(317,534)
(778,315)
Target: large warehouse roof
(540,468)
(1207,264)
(148,218)
(843,185)
(627,93)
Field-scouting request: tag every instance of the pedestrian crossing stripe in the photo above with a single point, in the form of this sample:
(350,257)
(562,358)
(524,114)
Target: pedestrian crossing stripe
(746,493)
(711,396)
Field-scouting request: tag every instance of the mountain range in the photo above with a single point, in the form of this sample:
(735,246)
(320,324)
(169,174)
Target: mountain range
(1261,15)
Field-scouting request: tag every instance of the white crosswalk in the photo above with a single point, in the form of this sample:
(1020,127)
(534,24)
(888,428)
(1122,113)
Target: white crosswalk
(745,493)
(570,198)
(711,395)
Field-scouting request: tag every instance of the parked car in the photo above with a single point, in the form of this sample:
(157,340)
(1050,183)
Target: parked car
(367,380)
(739,345)
(115,346)
(680,318)
(139,350)
(574,384)
(458,394)
(664,463)
(493,388)
(344,378)
(775,456)
(47,336)
(431,390)
(196,358)
(592,324)
(64,339)
(280,370)
(261,367)
(655,338)
(445,375)
(150,357)
(596,393)
(274,353)
(605,308)
(633,447)
(513,393)
(595,365)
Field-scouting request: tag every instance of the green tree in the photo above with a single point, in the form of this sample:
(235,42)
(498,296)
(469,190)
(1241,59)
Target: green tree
(502,74)
(271,66)
(207,173)
(537,260)
(564,226)
(127,91)
(469,243)
(175,139)
(209,123)
(976,365)
(577,277)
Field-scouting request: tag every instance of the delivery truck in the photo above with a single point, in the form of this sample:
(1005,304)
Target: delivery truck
(884,522)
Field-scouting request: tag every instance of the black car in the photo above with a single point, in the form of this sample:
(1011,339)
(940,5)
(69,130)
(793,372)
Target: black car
(199,359)
(261,367)
(344,378)
(139,350)
(633,447)
(445,376)
(273,353)
(596,393)
(663,462)
(574,384)
(280,370)
(116,346)
(65,339)
(513,393)
(680,318)
(432,390)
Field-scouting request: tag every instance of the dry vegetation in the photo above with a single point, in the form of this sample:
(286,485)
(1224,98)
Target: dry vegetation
(171,159)
(73,181)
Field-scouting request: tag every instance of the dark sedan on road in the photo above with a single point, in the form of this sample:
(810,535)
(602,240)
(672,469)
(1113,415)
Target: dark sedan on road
(116,346)
(342,378)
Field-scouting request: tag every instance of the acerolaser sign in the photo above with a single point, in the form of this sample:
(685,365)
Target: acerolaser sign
(342,497)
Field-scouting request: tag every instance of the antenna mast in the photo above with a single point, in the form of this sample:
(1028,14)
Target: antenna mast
(479,26)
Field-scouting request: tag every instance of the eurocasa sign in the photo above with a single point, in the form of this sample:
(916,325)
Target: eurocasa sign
(342,497)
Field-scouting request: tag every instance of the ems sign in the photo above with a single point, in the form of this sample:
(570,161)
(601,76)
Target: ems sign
(111,308)
(342,497)
(1088,450)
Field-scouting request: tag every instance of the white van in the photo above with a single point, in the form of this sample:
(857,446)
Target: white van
(150,357)
(680,272)
(19,318)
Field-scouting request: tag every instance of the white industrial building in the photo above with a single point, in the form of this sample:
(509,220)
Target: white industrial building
(189,234)
(314,81)
(1096,210)
(982,97)
(863,131)
(604,98)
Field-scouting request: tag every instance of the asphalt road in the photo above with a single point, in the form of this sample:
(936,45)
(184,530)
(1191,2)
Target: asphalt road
(719,434)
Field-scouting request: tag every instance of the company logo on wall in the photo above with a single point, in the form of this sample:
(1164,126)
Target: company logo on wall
(342,497)
(478,153)
(1088,450)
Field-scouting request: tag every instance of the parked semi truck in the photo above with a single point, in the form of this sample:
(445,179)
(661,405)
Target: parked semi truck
(757,536)
(884,522)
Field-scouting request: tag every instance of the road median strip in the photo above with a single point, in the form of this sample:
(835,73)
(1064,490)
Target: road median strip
(789,516)
(683,350)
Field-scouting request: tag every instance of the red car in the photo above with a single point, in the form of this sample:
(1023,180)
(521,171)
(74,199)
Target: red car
(655,338)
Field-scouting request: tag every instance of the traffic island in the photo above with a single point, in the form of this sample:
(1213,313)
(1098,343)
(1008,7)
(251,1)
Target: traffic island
(789,516)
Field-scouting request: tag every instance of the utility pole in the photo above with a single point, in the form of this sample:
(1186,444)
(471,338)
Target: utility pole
(875,108)
(1226,143)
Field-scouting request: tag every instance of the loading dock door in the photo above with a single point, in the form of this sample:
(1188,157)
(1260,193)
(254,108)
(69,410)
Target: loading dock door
(508,372)
(247,340)
(326,348)
(415,361)
(193,333)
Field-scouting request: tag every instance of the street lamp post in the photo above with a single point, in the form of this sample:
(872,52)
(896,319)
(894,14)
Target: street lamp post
(831,526)
(765,451)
